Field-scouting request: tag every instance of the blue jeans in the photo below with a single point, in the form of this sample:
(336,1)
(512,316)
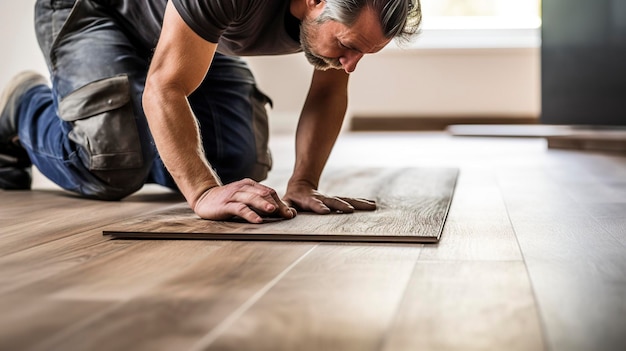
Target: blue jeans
(88,132)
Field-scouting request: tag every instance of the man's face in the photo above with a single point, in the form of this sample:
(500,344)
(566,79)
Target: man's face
(333,45)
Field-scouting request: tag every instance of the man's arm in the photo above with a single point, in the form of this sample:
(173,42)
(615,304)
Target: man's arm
(180,62)
(318,128)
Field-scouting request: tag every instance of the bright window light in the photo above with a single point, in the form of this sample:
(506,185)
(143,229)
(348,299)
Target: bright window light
(481,14)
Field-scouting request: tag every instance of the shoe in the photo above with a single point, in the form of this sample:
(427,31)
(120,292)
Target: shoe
(14,161)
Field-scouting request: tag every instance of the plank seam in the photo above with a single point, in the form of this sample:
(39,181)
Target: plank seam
(206,341)
(540,317)
(394,320)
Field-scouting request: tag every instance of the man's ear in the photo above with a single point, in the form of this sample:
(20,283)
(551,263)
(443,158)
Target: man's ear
(315,7)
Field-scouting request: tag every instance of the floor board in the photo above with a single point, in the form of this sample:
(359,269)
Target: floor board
(577,268)
(412,205)
(467,306)
(341,297)
(39,217)
(182,309)
(478,227)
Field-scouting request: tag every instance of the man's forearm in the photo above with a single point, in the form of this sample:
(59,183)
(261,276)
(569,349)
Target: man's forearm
(176,136)
(318,128)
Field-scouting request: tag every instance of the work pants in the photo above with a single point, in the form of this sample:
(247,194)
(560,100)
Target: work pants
(88,132)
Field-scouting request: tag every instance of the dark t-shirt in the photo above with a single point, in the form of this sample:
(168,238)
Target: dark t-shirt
(241,27)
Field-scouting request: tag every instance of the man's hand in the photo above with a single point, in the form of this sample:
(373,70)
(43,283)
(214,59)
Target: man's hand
(246,199)
(305,197)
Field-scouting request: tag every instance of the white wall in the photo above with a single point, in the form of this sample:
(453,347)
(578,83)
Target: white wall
(430,81)
(19,45)
(418,82)
(449,82)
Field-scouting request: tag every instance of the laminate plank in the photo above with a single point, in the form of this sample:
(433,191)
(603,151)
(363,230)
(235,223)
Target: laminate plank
(125,273)
(478,226)
(609,210)
(39,217)
(27,319)
(412,207)
(21,206)
(339,297)
(467,306)
(42,261)
(577,268)
(98,286)
(615,226)
(580,311)
(536,194)
(587,167)
(177,312)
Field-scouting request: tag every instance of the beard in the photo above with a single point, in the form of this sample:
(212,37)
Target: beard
(318,61)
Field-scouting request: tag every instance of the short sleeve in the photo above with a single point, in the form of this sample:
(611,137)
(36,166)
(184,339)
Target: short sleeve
(209,18)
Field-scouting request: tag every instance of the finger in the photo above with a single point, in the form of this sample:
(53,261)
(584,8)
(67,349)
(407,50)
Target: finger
(317,206)
(255,201)
(283,209)
(243,211)
(249,185)
(360,204)
(257,188)
(262,199)
(270,196)
(338,204)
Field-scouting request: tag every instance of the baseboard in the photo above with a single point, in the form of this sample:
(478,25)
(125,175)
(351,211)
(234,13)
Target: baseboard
(428,123)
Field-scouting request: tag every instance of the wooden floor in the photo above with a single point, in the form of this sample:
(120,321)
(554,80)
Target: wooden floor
(532,257)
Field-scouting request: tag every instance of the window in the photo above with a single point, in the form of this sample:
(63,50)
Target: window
(468,14)
(480,24)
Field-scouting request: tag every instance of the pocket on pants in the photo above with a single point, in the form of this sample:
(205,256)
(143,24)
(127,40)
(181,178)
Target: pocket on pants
(261,133)
(104,127)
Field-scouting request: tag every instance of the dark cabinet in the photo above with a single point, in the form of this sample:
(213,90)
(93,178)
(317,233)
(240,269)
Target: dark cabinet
(584,62)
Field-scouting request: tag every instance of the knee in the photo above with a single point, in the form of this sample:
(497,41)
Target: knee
(107,138)
(103,124)
(114,185)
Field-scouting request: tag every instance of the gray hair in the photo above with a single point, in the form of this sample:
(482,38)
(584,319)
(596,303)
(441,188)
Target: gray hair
(400,19)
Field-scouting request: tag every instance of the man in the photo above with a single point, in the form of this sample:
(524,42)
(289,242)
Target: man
(187,114)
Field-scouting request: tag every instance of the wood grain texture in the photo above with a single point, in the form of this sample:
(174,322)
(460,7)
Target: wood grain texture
(38,217)
(178,312)
(532,257)
(125,273)
(577,267)
(467,306)
(96,287)
(615,226)
(349,309)
(478,227)
(412,207)
(27,319)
